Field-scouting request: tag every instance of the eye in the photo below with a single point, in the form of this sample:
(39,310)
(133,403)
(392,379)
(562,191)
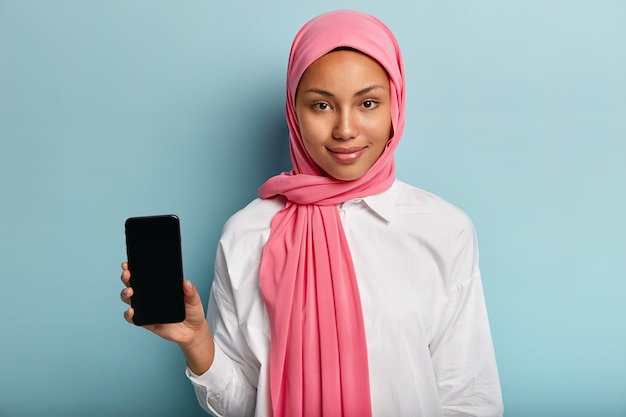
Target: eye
(369,104)
(321,106)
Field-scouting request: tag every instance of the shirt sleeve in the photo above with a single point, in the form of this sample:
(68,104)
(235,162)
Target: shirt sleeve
(228,388)
(462,350)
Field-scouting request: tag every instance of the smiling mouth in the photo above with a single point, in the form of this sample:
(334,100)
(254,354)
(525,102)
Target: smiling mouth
(347,155)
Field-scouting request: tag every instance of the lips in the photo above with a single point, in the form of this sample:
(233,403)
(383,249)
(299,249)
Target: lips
(347,155)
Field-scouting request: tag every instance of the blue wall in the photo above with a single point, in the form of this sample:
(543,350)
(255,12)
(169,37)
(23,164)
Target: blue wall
(109,109)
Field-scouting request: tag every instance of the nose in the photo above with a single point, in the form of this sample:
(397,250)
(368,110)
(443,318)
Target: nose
(346,126)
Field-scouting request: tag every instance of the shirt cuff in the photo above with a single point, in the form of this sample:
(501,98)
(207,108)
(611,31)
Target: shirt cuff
(211,386)
(218,373)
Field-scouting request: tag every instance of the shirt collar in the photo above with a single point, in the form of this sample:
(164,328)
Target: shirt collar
(383,204)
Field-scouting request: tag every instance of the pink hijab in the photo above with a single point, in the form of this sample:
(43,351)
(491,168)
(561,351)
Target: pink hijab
(318,353)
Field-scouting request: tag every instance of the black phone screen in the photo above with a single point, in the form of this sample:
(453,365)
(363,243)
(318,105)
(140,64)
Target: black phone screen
(153,247)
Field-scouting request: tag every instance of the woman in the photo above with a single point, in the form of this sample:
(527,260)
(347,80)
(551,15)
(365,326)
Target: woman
(342,291)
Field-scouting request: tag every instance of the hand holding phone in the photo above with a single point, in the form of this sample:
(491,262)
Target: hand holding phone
(153,247)
(155,290)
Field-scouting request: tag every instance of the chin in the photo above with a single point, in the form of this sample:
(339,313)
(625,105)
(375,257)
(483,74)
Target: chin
(347,176)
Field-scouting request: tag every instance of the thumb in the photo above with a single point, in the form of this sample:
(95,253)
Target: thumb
(191,293)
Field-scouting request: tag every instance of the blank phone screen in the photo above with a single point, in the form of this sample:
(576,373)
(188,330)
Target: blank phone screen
(155,262)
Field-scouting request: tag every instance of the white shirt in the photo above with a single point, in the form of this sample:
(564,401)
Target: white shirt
(429,346)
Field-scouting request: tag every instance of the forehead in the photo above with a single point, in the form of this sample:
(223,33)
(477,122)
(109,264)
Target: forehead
(344,66)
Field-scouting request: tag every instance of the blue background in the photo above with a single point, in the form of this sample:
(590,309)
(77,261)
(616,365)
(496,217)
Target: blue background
(110,109)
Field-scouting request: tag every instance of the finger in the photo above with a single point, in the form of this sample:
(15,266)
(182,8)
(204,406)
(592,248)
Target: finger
(126,294)
(125,277)
(124,265)
(128,315)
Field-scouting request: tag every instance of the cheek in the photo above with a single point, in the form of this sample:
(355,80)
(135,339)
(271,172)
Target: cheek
(380,128)
(308,140)
(386,126)
(312,132)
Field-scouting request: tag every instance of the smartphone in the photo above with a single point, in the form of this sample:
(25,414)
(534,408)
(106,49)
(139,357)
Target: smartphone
(153,247)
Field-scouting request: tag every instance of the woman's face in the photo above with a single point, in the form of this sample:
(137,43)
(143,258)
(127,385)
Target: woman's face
(344,113)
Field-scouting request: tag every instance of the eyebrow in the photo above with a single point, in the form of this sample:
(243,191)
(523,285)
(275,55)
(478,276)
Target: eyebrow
(326,93)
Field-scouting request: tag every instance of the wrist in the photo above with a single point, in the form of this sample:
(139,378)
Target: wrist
(199,351)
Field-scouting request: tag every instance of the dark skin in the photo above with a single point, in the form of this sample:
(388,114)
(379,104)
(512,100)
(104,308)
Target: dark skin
(192,335)
(343,108)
